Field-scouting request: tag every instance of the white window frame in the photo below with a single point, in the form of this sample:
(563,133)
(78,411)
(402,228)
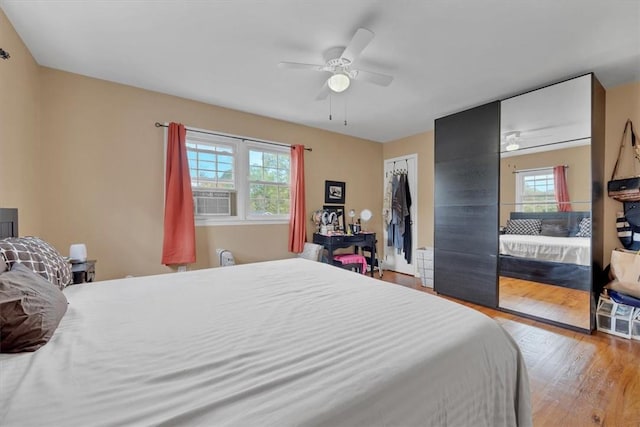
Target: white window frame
(241,175)
(520,176)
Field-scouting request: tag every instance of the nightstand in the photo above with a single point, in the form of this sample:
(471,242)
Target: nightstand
(83,272)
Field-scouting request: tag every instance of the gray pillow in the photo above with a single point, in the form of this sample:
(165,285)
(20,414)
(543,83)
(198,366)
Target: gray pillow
(554,228)
(30,310)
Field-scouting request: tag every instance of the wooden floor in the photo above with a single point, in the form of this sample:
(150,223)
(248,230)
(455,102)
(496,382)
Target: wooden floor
(576,379)
(565,305)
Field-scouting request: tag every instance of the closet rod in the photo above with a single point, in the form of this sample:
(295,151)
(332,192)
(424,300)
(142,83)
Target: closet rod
(160,125)
(537,169)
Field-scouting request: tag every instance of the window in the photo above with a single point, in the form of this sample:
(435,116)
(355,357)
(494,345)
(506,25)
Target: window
(211,165)
(236,181)
(269,173)
(535,191)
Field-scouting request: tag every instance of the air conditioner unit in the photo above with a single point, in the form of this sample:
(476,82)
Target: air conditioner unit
(213,202)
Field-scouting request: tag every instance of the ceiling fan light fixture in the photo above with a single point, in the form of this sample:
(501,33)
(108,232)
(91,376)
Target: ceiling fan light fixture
(339,82)
(512,141)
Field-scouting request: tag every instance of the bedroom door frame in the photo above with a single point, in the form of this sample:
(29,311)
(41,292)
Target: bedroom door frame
(391,260)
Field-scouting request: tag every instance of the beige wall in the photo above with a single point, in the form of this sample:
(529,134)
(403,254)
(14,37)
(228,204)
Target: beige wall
(578,176)
(422,145)
(83,162)
(623,102)
(104,169)
(20,180)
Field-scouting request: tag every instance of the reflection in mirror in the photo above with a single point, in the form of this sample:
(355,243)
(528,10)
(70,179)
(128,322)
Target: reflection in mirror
(545,203)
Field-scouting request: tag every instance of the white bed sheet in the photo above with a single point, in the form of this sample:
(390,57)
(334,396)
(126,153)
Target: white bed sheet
(290,342)
(568,250)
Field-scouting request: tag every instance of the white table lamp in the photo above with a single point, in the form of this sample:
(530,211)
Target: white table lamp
(78,252)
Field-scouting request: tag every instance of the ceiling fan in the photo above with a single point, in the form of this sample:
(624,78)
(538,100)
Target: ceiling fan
(339,63)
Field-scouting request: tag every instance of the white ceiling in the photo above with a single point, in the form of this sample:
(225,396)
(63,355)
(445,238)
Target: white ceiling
(445,55)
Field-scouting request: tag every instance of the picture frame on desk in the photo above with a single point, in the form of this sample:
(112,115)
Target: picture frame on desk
(334,192)
(339,210)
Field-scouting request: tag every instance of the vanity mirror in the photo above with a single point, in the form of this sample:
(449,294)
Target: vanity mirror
(545,238)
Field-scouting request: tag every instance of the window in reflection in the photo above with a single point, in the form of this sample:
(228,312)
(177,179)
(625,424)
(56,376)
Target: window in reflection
(535,191)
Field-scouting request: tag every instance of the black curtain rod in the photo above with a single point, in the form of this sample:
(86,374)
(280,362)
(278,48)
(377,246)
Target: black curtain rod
(537,169)
(160,125)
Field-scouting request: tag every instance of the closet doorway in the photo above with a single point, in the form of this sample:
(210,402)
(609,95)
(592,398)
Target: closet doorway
(392,260)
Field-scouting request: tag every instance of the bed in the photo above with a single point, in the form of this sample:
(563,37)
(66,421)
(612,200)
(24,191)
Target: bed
(552,259)
(288,342)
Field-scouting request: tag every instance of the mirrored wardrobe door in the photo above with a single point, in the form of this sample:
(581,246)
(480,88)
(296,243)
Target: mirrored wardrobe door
(545,260)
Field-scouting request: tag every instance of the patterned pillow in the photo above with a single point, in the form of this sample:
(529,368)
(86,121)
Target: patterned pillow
(584,229)
(39,256)
(523,226)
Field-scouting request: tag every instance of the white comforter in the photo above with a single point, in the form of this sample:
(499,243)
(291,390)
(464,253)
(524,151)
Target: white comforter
(281,343)
(568,250)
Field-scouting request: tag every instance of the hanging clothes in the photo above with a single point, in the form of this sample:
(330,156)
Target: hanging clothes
(399,211)
(393,217)
(387,201)
(407,237)
(399,233)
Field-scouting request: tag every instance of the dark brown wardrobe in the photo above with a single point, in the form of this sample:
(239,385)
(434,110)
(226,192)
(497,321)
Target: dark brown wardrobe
(467,165)
(467,199)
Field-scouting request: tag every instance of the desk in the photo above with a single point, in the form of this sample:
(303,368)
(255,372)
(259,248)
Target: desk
(337,241)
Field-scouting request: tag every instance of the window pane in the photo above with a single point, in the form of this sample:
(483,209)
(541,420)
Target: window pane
(255,173)
(284,161)
(210,157)
(283,193)
(283,176)
(211,166)
(283,207)
(206,174)
(224,149)
(225,159)
(270,175)
(255,158)
(270,159)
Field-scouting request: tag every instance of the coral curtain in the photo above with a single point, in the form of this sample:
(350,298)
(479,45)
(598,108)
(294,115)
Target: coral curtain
(297,223)
(561,190)
(179,246)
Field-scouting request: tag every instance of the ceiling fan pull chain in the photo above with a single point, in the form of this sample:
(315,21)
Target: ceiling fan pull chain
(329,106)
(345,110)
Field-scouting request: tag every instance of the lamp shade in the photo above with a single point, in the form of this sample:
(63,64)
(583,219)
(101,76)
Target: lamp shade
(339,82)
(78,252)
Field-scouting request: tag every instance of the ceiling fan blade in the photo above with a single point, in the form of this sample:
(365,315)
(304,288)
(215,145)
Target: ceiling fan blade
(360,40)
(301,66)
(324,92)
(375,78)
